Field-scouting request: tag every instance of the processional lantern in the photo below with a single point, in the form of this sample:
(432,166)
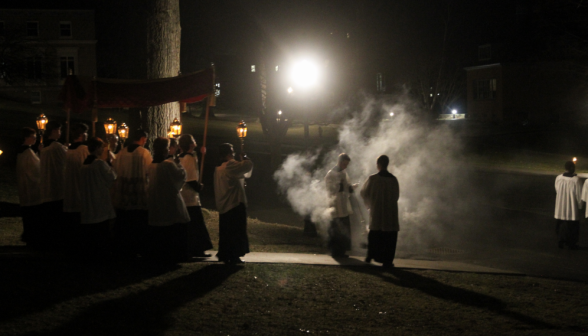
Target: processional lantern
(242,134)
(110,126)
(575,160)
(123,131)
(41,124)
(175,128)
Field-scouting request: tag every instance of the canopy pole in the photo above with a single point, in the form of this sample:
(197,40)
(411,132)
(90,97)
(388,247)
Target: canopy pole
(204,139)
(68,113)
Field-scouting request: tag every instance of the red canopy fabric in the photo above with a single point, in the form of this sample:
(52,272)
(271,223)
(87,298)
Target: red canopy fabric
(114,93)
(190,88)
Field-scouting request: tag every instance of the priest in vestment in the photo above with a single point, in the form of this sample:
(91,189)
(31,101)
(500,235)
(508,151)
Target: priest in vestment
(197,234)
(52,186)
(380,193)
(568,203)
(231,203)
(130,195)
(28,168)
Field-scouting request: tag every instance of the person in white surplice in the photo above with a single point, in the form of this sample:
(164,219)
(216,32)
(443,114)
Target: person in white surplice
(567,206)
(97,212)
(28,167)
(52,181)
(167,211)
(76,154)
(130,194)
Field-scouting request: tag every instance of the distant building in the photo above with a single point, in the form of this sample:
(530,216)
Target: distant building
(56,42)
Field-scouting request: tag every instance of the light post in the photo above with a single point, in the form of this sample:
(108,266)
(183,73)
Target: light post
(175,129)
(279,118)
(242,134)
(41,123)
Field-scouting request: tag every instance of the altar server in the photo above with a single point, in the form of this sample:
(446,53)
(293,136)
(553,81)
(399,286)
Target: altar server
(231,203)
(339,188)
(130,196)
(380,193)
(198,237)
(568,203)
(52,181)
(167,211)
(76,154)
(97,212)
(28,167)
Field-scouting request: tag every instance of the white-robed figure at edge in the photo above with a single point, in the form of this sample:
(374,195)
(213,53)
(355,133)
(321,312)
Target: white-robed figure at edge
(380,193)
(52,176)
(231,203)
(339,188)
(97,211)
(28,168)
(76,155)
(168,216)
(568,203)
(130,193)
(197,234)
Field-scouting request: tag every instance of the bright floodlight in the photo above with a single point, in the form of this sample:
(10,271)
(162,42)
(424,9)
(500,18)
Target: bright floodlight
(453,111)
(305,74)
(290,90)
(280,112)
(391,114)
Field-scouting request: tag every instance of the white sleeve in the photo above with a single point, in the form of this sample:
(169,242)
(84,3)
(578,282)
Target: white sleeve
(585,191)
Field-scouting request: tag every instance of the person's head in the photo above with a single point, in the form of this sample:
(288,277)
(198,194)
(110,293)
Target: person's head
(570,167)
(140,137)
(160,149)
(382,162)
(53,130)
(343,161)
(79,132)
(173,146)
(187,143)
(96,146)
(29,136)
(226,152)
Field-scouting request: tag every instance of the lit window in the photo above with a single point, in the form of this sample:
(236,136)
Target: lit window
(32,28)
(253,68)
(64,29)
(35,97)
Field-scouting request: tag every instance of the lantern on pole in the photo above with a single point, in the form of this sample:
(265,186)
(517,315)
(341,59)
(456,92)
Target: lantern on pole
(41,123)
(175,128)
(242,134)
(110,126)
(123,132)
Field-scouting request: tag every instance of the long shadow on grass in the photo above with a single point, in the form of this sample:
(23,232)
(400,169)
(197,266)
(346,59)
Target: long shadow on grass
(146,313)
(33,284)
(445,292)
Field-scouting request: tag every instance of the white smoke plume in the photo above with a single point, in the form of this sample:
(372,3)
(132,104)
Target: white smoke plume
(424,156)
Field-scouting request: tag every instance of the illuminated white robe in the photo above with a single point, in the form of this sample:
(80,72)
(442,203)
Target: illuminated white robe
(73,165)
(96,179)
(190,164)
(28,169)
(338,184)
(585,195)
(166,206)
(131,183)
(568,200)
(52,171)
(229,184)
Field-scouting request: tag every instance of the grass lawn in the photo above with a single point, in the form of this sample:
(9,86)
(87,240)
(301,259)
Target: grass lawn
(52,294)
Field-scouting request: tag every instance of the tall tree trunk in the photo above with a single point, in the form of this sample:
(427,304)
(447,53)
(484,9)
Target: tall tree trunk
(163,59)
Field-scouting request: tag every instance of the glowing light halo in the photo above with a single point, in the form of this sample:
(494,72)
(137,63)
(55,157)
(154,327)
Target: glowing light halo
(305,74)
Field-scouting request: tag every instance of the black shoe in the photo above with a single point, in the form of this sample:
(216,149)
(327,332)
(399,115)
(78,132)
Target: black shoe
(202,255)
(368,260)
(388,265)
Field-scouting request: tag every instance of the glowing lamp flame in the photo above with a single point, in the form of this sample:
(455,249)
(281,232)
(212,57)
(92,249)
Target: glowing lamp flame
(110,126)
(575,160)
(175,128)
(242,129)
(41,122)
(123,131)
